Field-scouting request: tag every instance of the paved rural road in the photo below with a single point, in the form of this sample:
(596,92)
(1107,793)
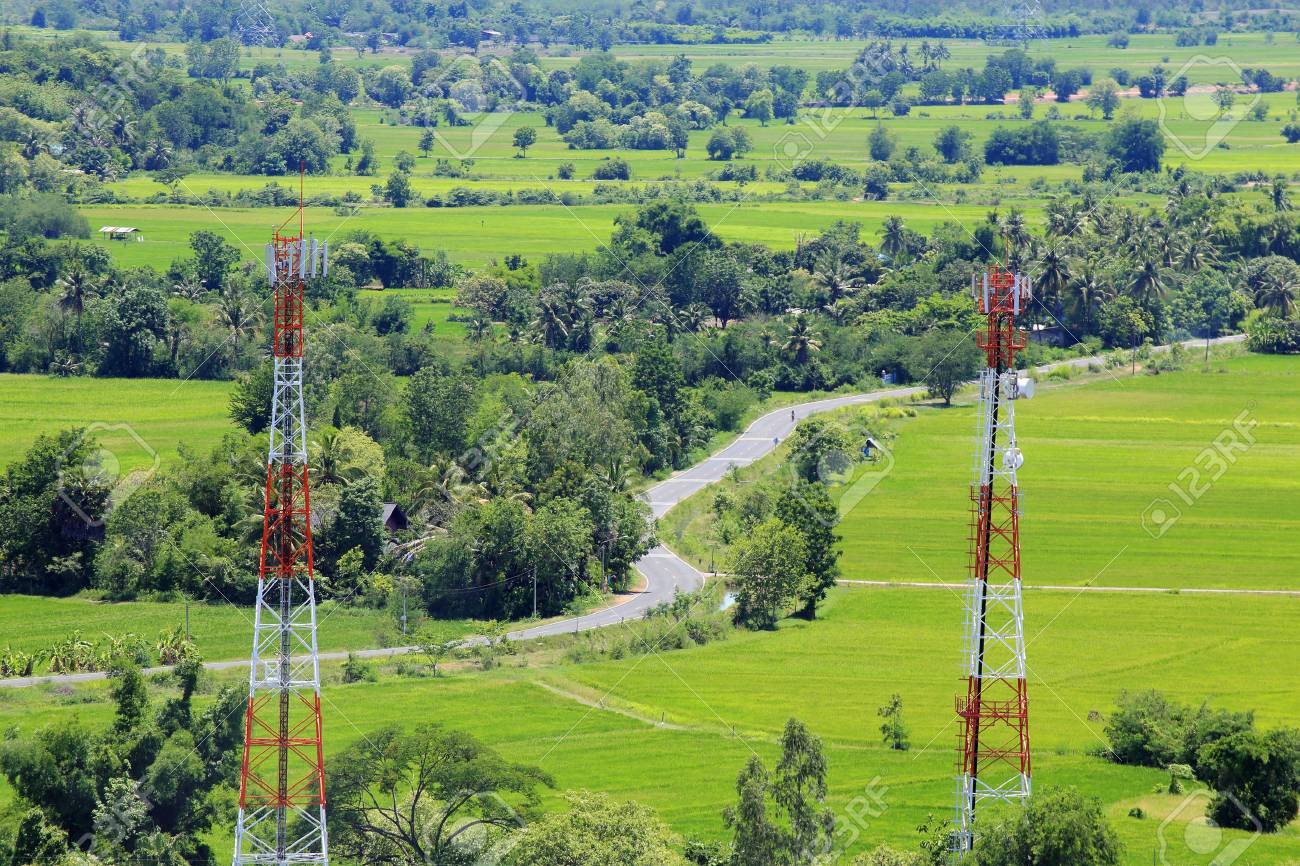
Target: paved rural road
(665,573)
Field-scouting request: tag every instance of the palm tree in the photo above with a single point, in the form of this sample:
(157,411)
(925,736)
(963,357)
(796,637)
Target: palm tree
(75,286)
(836,276)
(1278,294)
(893,237)
(1053,268)
(1148,282)
(480,333)
(801,341)
(1197,247)
(238,313)
(549,323)
(189,289)
(695,317)
(327,459)
(1016,233)
(1277,194)
(1086,290)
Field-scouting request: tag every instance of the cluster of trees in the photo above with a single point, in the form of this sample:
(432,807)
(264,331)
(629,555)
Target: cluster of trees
(148,787)
(77,104)
(362,27)
(1255,774)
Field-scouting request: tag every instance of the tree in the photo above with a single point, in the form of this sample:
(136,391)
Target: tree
(728,142)
(47,497)
(436,644)
(807,507)
(1057,827)
(596,830)
(392,86)
(780,818)
(802,342)
(398,189)
(436,408)
(893,729)
(1137,145)
(213,257)
(1224,99)
(429,796)
(944,359)
(1256,778)
(1065,85)
(759,106)
(880,144)
(250,398)
(770,567)
(525,137)
(132,322)
(357,524)
(426,142)
(1103,97)
(952,143)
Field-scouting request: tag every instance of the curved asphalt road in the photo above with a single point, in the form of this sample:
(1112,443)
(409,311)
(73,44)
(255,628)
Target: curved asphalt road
(665,573)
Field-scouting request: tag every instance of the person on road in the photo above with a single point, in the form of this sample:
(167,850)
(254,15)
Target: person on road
(792,416)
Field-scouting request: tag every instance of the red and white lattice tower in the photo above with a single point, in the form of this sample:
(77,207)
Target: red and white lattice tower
(994,713)
(282,782)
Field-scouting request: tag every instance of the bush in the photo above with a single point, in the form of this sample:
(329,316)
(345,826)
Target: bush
(1273,336)
(1057,827)
(44,216)
(614,169)
(1150,731)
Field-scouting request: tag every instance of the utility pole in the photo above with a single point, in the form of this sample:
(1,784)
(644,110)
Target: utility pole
(994,714)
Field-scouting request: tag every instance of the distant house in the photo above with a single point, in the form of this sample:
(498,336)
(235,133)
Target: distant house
(394,517)
(1049,335)
(118,233)
(492,34)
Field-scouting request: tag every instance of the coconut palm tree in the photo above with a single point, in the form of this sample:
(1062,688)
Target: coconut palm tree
(1277,293)
(893,237)
(695,317)
(239,313)
(1053,270)
(1017,235)
(1197,249)
(189,289)
(836,276)
(75,286)
(549,325)
(801,341)
(1085,292)
(1148,281)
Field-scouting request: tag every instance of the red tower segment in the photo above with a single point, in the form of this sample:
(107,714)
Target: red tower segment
(994,762)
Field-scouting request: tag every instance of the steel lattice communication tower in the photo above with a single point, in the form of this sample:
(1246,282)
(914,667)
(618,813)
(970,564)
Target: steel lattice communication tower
(282,782)
(994,713)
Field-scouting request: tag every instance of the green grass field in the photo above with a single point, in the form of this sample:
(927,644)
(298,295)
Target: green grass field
(222,631)
(1100,457)
(726,700)
(135,419)
(677,726)
(476,235)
